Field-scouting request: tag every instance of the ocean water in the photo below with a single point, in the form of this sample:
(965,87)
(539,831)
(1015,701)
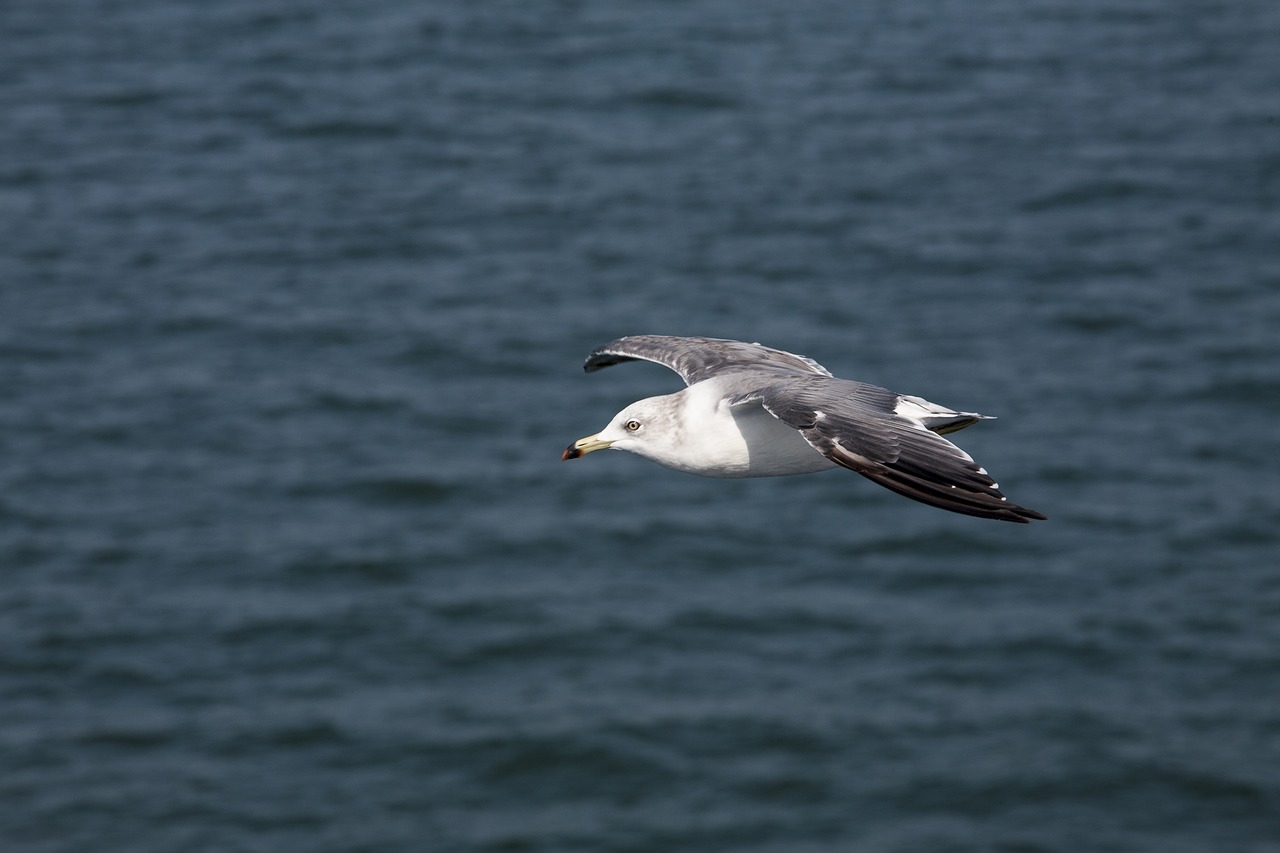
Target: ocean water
(293,303)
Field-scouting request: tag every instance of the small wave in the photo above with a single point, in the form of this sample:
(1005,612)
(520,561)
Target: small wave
(681,98)
(1088,193)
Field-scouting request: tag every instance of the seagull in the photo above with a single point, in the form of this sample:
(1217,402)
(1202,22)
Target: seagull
(753,411)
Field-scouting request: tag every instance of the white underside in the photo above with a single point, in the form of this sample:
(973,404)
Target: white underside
(740,441)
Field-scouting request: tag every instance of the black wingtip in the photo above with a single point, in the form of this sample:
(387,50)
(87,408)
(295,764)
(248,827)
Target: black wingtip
(985,504)
(600,358)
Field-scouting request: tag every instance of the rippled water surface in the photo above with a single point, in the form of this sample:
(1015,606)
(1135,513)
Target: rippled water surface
(293,302)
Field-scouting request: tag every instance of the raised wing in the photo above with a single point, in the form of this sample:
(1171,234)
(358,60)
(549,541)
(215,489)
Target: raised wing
(855,425)
(696,359)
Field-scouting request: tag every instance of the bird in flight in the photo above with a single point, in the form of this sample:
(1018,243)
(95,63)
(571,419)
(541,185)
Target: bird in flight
(752,411)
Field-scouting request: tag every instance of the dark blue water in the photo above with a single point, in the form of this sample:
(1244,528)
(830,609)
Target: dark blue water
(293,302)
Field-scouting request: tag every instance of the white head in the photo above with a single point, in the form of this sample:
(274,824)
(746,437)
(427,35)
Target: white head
(647,428)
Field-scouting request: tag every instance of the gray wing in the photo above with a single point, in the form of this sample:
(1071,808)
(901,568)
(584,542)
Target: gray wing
(696,359)
(855,425)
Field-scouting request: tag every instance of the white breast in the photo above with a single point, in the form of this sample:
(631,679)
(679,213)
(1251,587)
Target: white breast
(741,441)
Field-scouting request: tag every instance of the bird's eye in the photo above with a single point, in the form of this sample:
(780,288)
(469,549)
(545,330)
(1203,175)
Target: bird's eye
(632,426)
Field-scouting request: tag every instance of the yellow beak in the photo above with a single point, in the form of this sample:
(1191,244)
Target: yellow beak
(583,446)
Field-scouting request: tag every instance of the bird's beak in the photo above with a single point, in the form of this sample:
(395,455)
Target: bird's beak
(583,446)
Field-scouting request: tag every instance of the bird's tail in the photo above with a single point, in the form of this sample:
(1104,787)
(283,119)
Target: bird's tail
(937,418)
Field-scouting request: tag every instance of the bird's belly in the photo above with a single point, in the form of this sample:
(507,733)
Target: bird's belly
(775,449)
(756,444)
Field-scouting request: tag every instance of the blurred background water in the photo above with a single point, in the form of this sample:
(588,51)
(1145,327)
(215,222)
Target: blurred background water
(293,302)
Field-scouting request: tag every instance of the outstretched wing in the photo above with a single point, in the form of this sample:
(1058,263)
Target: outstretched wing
(858,426)
(696,359)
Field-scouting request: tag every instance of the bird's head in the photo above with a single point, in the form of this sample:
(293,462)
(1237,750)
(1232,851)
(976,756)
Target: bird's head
(646,428)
